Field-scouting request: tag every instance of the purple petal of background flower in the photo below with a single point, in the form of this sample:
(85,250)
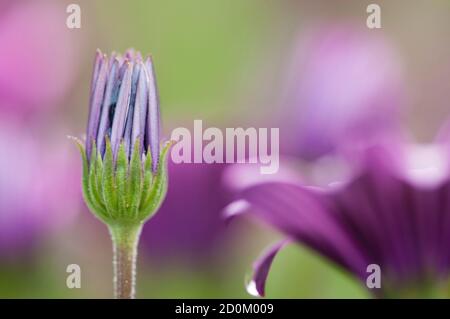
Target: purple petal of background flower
(261,267)
(33,74)
(189,224)
(381,216)
(39,187)
(343,82)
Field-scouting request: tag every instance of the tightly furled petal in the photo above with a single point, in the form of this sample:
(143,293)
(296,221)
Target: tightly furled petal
(124,106)
(141,101)
(109,103)
(121,109)
(98,90)
(153,125)
(97,63)
(140,108)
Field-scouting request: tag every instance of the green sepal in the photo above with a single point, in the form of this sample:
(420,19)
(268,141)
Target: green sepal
(121,180)
(109,183)
(148,179)
(94,188)
(98,178)
(158,189)
(135,180)
(122,191)
(92,205)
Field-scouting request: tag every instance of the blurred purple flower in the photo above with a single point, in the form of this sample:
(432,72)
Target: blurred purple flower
(343,83)
(38,187)
(393,212)
(34,75)
(189,223)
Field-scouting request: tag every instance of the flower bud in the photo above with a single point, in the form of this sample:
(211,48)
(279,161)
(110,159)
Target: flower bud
(124,167)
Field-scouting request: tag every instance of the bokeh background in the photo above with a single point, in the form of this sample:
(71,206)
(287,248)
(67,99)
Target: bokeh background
(312,68)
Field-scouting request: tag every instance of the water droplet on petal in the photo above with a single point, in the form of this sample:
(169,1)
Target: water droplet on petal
(250,285)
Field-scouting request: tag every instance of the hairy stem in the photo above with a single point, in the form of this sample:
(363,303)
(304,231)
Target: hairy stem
(125,241)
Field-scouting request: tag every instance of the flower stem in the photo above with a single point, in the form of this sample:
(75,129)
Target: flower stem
(125,240)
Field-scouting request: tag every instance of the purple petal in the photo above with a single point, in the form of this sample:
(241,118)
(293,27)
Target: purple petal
(96,102)
(130,53)
(97,63)
(443,134)
(128,138)
(105,122)
(153,124)
(240,176)
(138,69)
(138,56)
(128,130)
(123,101)
(140,108)
(261,267)
(330,96)
(307,216)
(235,209)
(112,59)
